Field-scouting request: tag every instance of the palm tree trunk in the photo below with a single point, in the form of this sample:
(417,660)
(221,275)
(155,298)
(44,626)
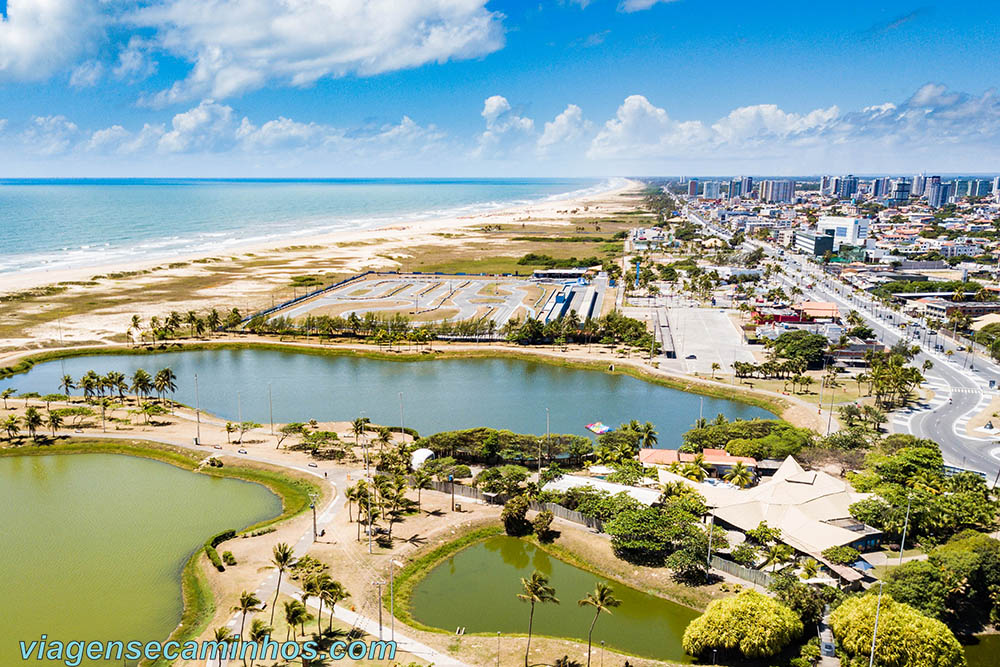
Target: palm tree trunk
(319,618)
(531,620)
(277,588)
(591,634)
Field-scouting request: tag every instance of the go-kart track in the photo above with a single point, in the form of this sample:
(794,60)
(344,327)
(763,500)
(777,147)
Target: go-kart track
(439,298)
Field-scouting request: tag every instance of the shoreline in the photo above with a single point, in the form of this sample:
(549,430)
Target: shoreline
(406,227)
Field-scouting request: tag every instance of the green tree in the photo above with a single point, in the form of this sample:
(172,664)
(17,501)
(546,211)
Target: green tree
(747,625)
(601,599)
(32,421)
(535,590)
(54,421)
(420,480)
(12,425)
(906,638)
(248,604)
(283,557)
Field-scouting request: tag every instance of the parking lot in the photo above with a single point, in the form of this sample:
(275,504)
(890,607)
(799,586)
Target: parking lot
(711,336)
(436,298)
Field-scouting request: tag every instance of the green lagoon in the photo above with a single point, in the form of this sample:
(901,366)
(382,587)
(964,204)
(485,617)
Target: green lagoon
(477,588)
(94,544)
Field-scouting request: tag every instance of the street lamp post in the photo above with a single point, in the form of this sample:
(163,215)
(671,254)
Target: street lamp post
(878,608)
(197,410)
(312,506)
(902,542)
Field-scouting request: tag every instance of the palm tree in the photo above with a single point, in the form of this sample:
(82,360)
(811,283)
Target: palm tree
(306,616)
(315,585)
(383,437)
(32,420)
(358,426)
(777,554)
(142,384)
(259,631)
(248,604)
(165,381)
(739,475)
(421,480)
(715,367)
(601,599)
(283,558)
(809,568)
(333,592)
(222,636)
(294,613)
(55,421)
(212,320)
(7,393)
(536,591)
(13,426)
(647,434)
(67,384)
(230,429)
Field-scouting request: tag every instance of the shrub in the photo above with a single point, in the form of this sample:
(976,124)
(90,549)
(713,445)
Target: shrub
(748,625)
(841,555)
(905,636)
(513,516)
(542,524)
(745,554)
(228,558)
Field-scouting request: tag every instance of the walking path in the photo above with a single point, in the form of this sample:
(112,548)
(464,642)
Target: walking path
(265,591)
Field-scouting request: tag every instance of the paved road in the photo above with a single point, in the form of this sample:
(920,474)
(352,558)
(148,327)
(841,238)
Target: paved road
(960,393)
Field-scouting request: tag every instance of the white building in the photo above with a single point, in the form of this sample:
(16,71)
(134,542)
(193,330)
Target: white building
(852,231)
(773,192)
(712,190)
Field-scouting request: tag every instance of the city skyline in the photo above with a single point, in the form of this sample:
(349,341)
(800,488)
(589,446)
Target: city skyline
(467,87)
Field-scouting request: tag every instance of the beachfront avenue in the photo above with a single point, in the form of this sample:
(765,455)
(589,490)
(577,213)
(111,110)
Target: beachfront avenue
(72,653)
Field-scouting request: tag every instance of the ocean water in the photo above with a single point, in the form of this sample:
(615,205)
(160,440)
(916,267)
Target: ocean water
(58,224)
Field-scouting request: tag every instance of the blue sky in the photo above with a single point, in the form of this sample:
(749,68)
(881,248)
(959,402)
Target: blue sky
(467,87)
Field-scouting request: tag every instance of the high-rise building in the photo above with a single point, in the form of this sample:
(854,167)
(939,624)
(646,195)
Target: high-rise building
(918,184)
(996,185)
(899,191)
(880,187)
(939,193)
(977,188)
(824,185)
(846,187)
(711,190)
(773,192)
(746,186)
(692,188)
(928,183)
(735,188)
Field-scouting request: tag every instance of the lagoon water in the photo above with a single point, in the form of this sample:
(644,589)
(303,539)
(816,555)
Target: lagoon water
(437,395)
(56,224)
(454,593)
(93,545)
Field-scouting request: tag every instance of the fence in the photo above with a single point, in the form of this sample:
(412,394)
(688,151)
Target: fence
(499,499)
(757,577)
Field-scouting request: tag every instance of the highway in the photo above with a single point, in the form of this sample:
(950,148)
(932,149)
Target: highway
(961,383)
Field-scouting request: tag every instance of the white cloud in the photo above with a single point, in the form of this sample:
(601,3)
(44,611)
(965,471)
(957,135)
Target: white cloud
(566,129)
(638,5)
(41,37)
(505,129)
(767,121)
(49,135)
(134,62)
(86,75)
(240,45)
(3,124)
(641,129)
(207,127)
